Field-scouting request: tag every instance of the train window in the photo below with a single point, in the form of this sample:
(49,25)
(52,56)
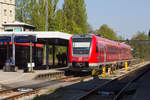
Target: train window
(102,48)
(112,50)
(109,49)
(97,48)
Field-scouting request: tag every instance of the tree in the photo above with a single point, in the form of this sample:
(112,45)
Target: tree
(69,13)
(107,32)
(140,36)
(59,20)
(37,14)
(71,19)
(81,15)
(22,10)
(74,16)
(33,12)
(142,50)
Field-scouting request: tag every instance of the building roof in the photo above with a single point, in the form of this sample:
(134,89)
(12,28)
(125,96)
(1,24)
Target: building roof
(42,35)
(16,23)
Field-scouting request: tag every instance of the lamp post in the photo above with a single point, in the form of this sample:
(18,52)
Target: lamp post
(46,29)
(13,48)
(31,38)
(46,11)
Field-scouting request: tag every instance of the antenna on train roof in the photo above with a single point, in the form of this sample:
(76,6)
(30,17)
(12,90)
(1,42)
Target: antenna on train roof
(98,35)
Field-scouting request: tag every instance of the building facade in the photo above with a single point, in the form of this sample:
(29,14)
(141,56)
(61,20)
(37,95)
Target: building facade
(7,12)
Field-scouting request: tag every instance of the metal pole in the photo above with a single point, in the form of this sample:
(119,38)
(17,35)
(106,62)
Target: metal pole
(31,55)
(47,55)
(53,54)
(13,47)
(46,13)
(7,50)
(34,54)
(46,29)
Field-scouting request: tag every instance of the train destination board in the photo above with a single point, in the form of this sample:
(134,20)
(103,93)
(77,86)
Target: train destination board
(5,38)
(23,39)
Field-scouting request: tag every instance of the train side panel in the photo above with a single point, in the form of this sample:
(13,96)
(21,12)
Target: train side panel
(101,51)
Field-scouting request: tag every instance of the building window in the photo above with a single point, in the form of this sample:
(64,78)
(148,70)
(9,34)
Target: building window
(17,29)
(5,12)
(9,30)
(10,13)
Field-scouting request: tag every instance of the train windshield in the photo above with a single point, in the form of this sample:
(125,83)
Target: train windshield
(81,45)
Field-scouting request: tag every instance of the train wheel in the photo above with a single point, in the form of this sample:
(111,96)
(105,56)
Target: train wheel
(68,72)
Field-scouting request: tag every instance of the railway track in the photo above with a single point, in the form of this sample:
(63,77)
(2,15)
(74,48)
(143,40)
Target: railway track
(14,94)
(27,91)
(33,90)
(117,88)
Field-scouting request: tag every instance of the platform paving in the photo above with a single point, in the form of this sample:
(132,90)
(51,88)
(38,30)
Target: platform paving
(143,92)
(11,77)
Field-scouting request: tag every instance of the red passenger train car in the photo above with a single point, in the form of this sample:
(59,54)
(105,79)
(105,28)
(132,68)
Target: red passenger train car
(89,51)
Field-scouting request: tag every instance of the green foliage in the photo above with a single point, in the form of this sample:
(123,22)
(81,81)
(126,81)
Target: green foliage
(140,51)
(140,36)
(59,20)
(22,9)
(80,15)
(75,17)
(72,18)
(35,15)
(107,32)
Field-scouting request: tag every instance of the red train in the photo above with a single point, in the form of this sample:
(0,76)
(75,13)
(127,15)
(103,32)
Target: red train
(88,51)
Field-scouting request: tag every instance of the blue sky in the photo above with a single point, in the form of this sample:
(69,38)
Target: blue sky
(126,17)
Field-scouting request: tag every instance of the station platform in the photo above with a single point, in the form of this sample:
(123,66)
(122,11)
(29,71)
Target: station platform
(11,77)
(143,91)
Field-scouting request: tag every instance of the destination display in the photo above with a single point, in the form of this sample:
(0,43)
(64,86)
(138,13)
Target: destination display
(5,38)
(23,39)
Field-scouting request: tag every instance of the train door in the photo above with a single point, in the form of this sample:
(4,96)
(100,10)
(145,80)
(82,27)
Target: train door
(105,53)
(98,52)
(101,48)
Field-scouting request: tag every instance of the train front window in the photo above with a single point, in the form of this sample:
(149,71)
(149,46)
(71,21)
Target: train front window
(81,45)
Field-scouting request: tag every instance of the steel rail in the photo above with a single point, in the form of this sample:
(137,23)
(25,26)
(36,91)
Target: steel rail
(90,93)
(121,93)
(35,91)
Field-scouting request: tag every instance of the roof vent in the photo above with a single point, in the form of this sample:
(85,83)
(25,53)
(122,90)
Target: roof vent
(98,35)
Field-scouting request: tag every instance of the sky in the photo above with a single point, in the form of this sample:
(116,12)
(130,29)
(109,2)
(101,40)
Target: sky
(126,17)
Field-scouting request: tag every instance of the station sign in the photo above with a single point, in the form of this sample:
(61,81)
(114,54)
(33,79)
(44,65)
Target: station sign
(5,38)
(25,38)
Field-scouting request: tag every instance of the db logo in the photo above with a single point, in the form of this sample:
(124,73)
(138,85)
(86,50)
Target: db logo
(80,58)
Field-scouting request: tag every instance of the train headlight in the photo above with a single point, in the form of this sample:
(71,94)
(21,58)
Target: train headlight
(74,58)
(85,58)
